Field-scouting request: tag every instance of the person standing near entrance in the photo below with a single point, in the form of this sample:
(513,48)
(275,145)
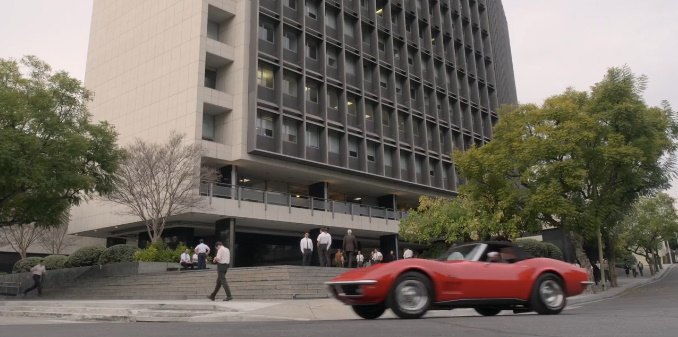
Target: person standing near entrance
(37,271)
(350,244)
(306,246)
(223,260)
(324,244)
(202,249)
(360,259)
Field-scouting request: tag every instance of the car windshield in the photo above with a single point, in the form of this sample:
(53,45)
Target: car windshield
(464,252)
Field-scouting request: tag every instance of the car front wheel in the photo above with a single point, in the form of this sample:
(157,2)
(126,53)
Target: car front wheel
(411,295)
(369,311)
(487,311)
(548,295)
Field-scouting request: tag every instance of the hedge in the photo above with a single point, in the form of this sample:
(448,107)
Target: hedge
(25,265)
(85,256)
(541,249)
(55,261)
(118,253)
(159,253)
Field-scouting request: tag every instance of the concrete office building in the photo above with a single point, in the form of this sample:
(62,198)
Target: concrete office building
(336,113)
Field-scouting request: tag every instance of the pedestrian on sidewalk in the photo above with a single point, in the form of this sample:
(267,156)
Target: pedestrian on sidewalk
(324,242)
(627,270)
(640,268)
(306,246)
(223,260)
(37,271)
(349,245)
(202,249)
(339,259)
(360,259)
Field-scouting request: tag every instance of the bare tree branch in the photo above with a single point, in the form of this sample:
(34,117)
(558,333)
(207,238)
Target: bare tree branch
(20,237)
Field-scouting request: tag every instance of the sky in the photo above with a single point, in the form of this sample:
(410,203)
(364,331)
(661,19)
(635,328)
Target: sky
(556,44)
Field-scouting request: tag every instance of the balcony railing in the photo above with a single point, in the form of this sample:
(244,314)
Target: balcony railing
(241,193)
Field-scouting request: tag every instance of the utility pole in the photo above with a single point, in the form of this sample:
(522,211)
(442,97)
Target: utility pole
(600,257)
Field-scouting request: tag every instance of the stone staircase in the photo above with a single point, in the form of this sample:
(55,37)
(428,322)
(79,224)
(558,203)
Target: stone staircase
(275,282)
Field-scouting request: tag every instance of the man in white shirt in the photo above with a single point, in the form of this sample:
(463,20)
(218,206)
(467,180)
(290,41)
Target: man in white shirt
(185,259)
(324,243)
(202,249)
(360,258)
(378,256)
(306,246)
(37,271)
(408,254)
(223,260)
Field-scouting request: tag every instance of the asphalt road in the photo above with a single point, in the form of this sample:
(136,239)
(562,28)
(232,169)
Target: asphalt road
(650,310)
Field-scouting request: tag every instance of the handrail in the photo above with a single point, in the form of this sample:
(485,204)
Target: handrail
(242,193)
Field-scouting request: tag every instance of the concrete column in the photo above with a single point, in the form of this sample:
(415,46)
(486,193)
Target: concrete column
(224,231)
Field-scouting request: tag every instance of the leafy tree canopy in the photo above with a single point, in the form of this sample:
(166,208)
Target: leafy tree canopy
(51,154)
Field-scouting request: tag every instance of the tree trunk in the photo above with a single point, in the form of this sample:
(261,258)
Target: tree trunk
(650,264)
(582,258)
(23,252)
(658,260)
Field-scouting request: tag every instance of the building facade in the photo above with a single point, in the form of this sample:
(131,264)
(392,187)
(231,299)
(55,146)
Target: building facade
(337,113)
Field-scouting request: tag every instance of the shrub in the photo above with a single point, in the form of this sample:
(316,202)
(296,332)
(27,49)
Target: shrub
(118,253)
(158,252)
(541,249)
(55,261)
(85,256)
(25,265)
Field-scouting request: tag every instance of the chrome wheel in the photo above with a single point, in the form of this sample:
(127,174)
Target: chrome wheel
(412,296)
(551,294)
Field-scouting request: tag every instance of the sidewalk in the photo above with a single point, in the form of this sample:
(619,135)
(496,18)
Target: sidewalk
(19,311)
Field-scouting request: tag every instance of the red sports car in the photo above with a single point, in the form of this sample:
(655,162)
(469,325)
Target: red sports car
(486,276)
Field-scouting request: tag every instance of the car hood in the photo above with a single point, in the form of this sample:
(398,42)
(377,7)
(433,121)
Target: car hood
(359,273)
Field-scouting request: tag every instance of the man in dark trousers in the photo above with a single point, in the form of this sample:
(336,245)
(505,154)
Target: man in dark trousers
(223,260)
(202,250)
(37,271)
(350,246)
(324,243)
(306,246)
(640,268)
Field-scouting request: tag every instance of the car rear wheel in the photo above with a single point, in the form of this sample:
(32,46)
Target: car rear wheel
(369,311)
(411,295)
(488,311)
(548,295)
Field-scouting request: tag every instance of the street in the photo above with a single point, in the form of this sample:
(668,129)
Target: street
(644,311)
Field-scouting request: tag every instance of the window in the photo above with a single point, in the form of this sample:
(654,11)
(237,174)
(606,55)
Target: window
(413,93)
(382,45)
(388,158)
(383,80)
(312,92)
(417,166)
(353,148)
(332,99)
(266,31)
(290,131)
(367,73)
(396,53)
(403,161)
(265,126)
(291,4)
(332,58)
(213,30)
(363,4)
(312,9)
(350,66)
(399,87)
(349,28)
(369,111)
(265,76)
(371,152)
(313,137)
(290,85)
(208,127)
(330,19)
(415,129)
(410,60)
(386,118)
(312,49)
(352,106)
(290,40)
(211,78)
(334,143)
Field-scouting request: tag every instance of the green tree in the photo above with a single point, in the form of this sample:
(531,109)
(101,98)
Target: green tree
(651,221)
(577,162)
(51,155)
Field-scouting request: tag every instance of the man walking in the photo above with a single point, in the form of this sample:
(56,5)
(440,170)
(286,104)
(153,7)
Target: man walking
(350,244)
(223,260)
(37,271)
(202,249)
(324,242)
(306,246)
(640,268)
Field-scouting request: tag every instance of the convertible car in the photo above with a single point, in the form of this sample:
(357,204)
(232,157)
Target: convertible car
(487,276)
